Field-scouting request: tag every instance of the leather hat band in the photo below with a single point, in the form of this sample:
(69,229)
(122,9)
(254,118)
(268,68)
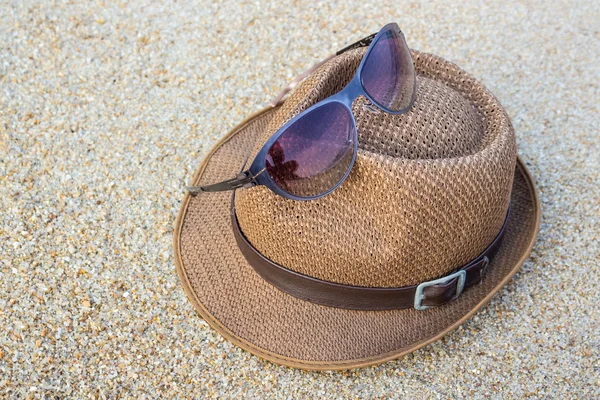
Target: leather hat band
(425,295)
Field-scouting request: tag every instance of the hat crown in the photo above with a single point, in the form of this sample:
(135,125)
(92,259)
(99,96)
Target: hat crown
(428,193)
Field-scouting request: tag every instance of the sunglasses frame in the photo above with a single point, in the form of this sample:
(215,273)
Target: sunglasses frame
(255,175)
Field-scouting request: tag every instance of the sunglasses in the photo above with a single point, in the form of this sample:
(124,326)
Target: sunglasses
(313,153)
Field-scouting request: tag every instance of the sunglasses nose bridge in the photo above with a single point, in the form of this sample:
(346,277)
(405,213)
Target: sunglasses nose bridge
(350,93)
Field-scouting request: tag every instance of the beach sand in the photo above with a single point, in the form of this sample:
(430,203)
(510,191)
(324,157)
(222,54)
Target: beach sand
(106,110)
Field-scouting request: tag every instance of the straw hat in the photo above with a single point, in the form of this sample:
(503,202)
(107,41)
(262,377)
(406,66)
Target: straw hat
(371,271)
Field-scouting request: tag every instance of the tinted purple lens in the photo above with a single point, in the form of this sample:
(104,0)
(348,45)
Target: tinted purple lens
(314,153)
(388,75)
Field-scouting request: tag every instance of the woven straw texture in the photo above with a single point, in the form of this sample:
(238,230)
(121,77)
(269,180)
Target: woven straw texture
(429,190)
(414,206)
(260,318)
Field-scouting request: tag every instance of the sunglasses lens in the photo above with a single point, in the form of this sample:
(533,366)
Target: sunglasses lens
(388,75)
(314,153)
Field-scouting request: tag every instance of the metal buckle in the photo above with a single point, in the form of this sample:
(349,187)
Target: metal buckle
(460,285)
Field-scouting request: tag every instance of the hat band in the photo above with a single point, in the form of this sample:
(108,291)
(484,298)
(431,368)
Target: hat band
(425,295)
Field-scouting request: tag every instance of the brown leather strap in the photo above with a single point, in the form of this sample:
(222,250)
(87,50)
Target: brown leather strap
(427,294)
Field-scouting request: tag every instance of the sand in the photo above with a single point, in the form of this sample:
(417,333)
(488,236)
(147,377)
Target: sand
(106,110)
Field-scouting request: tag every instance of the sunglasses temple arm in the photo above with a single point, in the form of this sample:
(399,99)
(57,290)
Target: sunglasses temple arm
(244,179)
(364,42)
(279,99)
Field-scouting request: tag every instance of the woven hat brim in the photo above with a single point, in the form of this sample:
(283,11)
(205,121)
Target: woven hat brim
(251,313)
